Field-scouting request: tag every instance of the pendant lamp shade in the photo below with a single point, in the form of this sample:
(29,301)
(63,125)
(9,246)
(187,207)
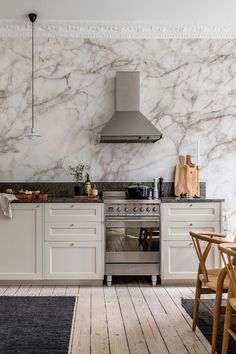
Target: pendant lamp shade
(33,135)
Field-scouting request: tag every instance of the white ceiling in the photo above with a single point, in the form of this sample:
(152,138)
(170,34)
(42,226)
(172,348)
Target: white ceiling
(175,11)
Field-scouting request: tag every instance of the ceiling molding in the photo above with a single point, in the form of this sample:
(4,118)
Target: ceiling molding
(114,29)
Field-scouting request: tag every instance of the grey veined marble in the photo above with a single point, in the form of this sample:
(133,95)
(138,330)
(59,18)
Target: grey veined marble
(188,90)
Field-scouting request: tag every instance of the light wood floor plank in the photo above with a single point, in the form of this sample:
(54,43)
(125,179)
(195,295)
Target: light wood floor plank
(34,291)
(72,291)
(23,290)
(116,331)
(133,329)
(81,339)
(59,291)
(150,330)
(176,297)
(47,290)
(11,290)
(3,289)
(99,333)
(164,323)
(188,337)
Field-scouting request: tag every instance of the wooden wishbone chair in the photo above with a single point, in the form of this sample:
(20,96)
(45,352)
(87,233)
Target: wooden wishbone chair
(209,281)
(228,253)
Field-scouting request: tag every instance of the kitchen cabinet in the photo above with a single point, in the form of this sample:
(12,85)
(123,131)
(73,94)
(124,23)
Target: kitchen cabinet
(73,260)
(21,243)
(74,241)
(179,261)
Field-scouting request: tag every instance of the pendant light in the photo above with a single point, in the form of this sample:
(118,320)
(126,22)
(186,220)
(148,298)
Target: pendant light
(32,135)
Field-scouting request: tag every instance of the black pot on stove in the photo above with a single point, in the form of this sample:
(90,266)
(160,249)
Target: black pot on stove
(138,191)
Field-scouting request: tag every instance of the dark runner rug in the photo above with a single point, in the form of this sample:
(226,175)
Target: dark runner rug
(35,325)
(205,323)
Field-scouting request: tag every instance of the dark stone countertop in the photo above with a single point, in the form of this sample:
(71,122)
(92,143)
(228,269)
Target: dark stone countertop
(58,200)
(163,200)
(190,200)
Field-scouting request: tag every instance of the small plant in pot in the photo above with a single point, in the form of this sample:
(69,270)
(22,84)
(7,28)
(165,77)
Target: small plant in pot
(79,173)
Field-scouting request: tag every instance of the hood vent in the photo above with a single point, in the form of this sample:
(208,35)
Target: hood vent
(128,124)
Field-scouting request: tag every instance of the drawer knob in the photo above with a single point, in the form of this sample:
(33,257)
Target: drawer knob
(72,206)
(72,244)
(72,225)
(190,224)
(190,244)
(190,205)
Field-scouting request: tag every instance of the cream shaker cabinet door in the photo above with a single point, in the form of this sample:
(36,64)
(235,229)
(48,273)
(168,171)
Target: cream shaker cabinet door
(21,243)
(180,260)
(73,260)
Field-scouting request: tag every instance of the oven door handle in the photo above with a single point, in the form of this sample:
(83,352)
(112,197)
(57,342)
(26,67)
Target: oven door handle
(132,220)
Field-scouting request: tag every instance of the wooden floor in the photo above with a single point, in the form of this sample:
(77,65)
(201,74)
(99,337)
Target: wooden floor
(122,319)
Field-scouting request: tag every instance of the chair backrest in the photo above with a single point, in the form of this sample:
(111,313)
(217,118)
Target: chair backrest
(228,254)
(210,238)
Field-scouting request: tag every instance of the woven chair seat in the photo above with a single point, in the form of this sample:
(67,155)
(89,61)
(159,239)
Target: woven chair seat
(213,277)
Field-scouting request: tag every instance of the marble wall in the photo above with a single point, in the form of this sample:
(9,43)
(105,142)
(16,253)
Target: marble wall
(188,90)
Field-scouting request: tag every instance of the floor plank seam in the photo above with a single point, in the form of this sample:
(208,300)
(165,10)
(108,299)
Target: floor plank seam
(138,320)
(123,320)
(155,319)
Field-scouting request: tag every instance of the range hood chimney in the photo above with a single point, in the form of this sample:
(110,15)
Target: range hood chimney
(128,124)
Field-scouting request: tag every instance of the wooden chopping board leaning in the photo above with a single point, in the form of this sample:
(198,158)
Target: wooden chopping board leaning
(186,177)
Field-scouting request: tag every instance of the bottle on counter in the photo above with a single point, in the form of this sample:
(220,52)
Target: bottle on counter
(161,188)
(94,191)
(87,186)
(155,190)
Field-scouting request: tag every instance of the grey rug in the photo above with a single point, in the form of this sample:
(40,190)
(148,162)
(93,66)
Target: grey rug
(205,323)
(35,325)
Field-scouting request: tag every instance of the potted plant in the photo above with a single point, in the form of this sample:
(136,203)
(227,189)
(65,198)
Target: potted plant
(79,173)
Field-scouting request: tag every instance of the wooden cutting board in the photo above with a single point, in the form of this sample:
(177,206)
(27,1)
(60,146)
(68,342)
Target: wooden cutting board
(193,175)
(183,181)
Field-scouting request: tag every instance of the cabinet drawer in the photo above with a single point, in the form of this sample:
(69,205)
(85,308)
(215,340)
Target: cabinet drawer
(179,230)
(192,212)
(73,260)
(83,231)
(73,212)
(181,262)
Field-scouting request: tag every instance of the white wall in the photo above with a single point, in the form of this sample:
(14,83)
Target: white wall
(174,11)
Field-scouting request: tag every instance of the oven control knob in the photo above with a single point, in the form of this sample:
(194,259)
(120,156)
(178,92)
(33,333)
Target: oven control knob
(154,209)
(148,209)
(135,209)
(141,209)
(119,209)
(126,209)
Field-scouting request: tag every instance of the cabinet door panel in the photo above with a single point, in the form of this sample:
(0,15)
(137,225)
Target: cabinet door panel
(73,260)
(73,212)
(192,212)
(180,260)
(21,243)
(88,231)
(179,230)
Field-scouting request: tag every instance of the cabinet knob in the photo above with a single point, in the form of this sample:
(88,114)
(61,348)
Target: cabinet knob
(72,244)
(190,244)
(190,224)
(72,206)
(190,205)
(72,225)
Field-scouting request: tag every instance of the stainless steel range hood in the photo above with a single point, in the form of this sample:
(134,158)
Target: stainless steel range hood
(128,124)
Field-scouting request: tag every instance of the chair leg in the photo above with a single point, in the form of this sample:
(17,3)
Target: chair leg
(196,303)
(227,325)
(216,319)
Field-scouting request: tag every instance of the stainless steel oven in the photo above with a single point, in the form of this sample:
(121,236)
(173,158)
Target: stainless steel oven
(132,236)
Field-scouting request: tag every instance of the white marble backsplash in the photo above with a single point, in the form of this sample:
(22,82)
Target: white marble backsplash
(188,90)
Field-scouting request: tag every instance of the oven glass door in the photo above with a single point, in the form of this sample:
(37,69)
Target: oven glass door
(132,234)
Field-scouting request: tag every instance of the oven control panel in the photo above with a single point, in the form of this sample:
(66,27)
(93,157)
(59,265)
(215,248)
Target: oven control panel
(149,209)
